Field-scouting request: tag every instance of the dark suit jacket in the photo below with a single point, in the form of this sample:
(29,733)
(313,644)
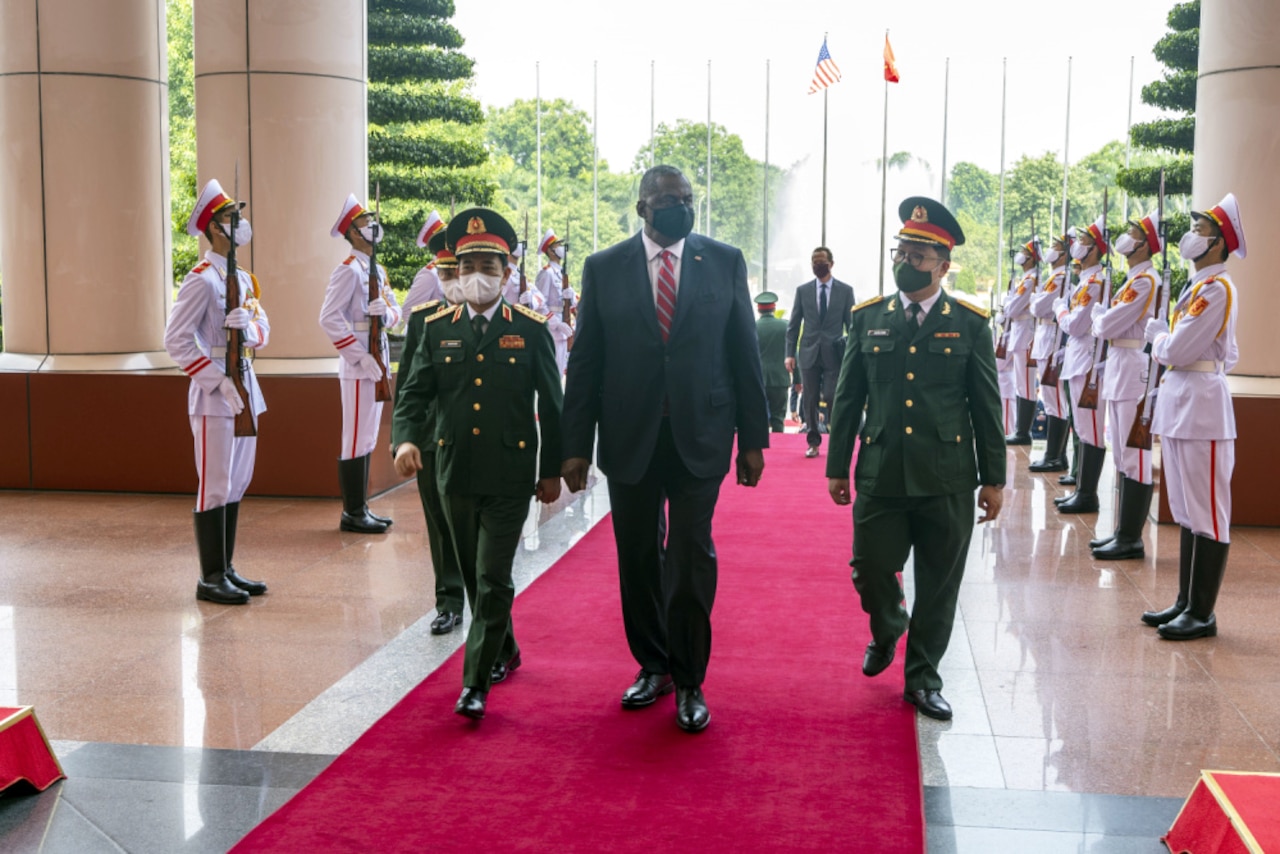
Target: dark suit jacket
(620,371)
(816,345)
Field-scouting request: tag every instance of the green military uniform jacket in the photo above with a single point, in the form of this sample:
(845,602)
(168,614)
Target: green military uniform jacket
(424,435)
(932,405)
(487,442)
(771,332)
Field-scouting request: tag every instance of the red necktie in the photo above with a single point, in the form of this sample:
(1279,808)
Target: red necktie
(666,294)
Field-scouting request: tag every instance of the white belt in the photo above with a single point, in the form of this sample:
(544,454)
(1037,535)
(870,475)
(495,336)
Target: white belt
(360,326)
(1128,343)
(1204,366)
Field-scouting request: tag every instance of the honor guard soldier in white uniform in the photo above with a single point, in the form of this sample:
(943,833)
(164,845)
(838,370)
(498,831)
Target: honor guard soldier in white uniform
(1124,382)
(426,285)
(1195,420)
(1076,317)
(531,297)
(196,338)
(344,317)
(1004,370)
(1053,397)
(550,284)
(1017,309)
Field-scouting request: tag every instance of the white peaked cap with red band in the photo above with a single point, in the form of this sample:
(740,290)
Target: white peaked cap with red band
(518,251)
(1150,226)
(548,240)
(212,199)
(1096,231)
(433,224)
(350,211)
(1226,215)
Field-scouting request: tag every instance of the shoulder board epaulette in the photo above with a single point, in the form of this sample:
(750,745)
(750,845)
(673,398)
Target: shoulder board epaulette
(865,303)
(201,267)
(424,305)
(257,288)
(350,258)
(981,312)
(448,309)
(530,313)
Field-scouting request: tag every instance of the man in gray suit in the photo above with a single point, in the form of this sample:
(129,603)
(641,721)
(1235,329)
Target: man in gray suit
(822,309)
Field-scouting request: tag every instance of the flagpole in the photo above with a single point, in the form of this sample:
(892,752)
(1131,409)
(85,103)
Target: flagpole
(946,103)
(884,175)
(595,154)
(764,264)
(709,230)
(1004,100)
(1128,142)
(825,92)
(1066,161)
(652,97)
(537,84)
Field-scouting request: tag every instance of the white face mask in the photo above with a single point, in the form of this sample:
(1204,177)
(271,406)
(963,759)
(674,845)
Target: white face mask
(1052,256)
(452,290)
(480,288)
(1126,245)
(1079,251)
(372,233)
(559,251)
(244,231)
(1020,258)
(1193,245)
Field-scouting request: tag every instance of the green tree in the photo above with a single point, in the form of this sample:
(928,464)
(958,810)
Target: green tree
(426,134)
(1174,137)
(182,135)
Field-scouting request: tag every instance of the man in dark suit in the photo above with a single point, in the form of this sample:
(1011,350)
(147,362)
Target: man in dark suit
(822,309)
(665,365)
(922,366)
(771,331)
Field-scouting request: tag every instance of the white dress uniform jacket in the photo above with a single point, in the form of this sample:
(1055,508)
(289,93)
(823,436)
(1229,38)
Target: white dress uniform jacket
(1046,337)
(426,287)
(344,314)
(1124,324)
(1078,323)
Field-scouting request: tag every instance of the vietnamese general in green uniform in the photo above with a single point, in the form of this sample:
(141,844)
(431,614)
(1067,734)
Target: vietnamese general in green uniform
(922,365)
(481,362)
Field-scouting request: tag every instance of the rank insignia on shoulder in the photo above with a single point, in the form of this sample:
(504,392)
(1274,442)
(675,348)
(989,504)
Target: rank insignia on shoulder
(530,313)
(350,258)
(458,311)
(448,309)
(981,312)
(451,345)
(201,267)
(946,335)
(866,303)
(878,333)
(424,305)
(511,342)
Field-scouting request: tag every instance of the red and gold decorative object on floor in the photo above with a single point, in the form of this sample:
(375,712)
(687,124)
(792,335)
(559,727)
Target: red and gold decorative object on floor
(25,755)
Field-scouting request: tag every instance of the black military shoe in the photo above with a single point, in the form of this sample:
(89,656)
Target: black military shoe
(647,688)
(878,657)
(503,669)
(471,703)
(445,622)
(930,703)
(692,714)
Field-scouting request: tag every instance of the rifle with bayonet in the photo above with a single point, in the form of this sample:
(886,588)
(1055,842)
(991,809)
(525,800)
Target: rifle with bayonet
(524,250)
(1089,394)
(382,385)
(1002,344)
(236,366)
(1140,431)
(566,304)
(1035,286)
(1052,372)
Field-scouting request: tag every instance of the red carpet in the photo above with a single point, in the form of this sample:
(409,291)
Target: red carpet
(1228,812)
(803,752)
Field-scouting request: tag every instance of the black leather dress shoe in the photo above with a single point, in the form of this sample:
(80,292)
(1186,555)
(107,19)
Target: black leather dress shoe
(647,688)
(503,669)
(471,703)
(878,657)
(930,703)
(692,714)
(445,622)
(361,523)
(811,452)
(253,588)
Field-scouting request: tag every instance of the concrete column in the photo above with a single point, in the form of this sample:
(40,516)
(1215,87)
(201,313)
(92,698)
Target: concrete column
(1238,150)
(84,231)
(280,87)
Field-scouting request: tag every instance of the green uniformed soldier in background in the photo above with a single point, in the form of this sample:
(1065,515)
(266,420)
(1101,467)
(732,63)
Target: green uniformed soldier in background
(481,363)
(450,589)
(923,365)
(771,332)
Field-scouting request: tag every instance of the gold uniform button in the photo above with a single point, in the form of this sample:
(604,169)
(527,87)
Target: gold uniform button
(442,443)
(480,356)
(957,438)
(875,349)
(521,443)
(479,381)
(911,349)
(448,359)
(947,350)
(476,407)
(910,404)
(908,431)
(910,376)
(512,360)
(475,431)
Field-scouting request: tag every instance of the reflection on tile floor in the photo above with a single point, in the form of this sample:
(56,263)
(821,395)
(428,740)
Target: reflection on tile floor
(184,723)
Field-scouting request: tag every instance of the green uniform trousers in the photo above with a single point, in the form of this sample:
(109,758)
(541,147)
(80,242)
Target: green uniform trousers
(486,532)
(450,591)
(777,397)
(885,530)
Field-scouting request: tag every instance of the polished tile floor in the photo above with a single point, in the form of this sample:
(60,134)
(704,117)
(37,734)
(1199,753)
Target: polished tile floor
(183,724)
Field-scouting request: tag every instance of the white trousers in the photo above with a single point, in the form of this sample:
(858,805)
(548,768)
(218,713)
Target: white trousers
(360,417)
(1024,376)
(1090,424)
(1009,408)
(1133,463)
(1055,401)
(224,461)
(1197,481)
(562,355)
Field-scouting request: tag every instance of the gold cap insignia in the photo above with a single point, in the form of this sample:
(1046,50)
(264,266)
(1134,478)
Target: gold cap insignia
(475,225)
(920,214)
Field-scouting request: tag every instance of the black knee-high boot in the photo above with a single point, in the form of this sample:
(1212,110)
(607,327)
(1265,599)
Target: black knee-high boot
(1022,423)
(355,507)
(253,588)
(211,543)
(1186,551)
(1135,504)
(1055,447)
(386,520)
(1085,498)
(1207,568)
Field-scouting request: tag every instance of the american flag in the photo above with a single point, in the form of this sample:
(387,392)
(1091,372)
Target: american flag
(827,71)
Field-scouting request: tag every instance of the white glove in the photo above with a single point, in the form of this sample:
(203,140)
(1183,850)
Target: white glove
(1097,311)
(238,318)
(1000,318)
(377,308)
(526,298)
(567,293)
(1155,328)
(368,367)
(228,389)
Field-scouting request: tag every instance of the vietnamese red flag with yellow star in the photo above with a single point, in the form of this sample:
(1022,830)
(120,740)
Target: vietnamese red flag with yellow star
(890,67)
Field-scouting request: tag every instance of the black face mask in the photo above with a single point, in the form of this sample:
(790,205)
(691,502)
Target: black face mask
(821,270)
(675,222)
(909,279)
